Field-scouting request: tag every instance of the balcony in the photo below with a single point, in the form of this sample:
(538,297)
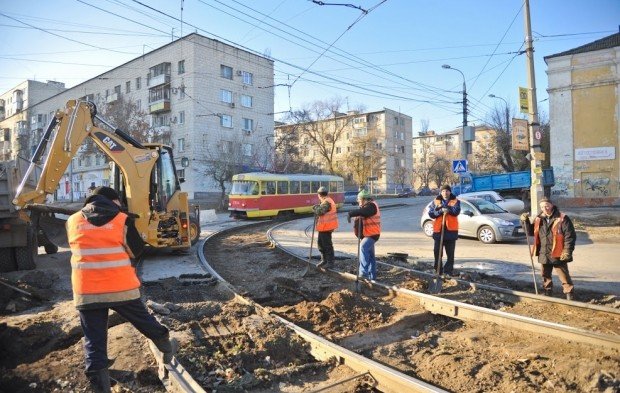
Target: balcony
(158,80)
(111,98)
(159,106)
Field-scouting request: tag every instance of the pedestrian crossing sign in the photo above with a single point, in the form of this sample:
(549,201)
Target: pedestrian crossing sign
(459,166)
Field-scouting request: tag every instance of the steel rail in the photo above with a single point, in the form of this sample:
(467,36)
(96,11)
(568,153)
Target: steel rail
(464,311)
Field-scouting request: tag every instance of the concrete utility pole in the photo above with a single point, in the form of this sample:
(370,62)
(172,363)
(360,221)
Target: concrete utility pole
(463,143)
(536,189)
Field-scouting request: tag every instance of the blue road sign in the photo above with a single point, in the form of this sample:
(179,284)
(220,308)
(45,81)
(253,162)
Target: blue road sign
(459,166)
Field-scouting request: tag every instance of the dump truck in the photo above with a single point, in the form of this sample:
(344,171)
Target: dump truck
(144,175)
(501,182)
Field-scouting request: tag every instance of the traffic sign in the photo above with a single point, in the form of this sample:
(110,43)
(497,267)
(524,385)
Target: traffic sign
(372,178)
(459,166)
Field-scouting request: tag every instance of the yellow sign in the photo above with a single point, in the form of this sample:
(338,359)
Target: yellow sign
(539,156)
(520,135)
(524,100)
(538,170)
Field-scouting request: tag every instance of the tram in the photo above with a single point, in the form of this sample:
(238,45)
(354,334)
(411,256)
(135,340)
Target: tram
(262,194)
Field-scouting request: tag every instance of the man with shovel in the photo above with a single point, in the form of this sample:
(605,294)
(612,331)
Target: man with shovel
(367,228)
(326,223)
(445,209)
(554,242)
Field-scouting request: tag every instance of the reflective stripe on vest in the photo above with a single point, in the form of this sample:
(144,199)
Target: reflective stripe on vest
(557,245)
(329,220)
(452,222)
(101,269)
(372,224)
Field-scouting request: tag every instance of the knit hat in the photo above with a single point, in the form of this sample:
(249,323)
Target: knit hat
(107,192)
(363,194)
(545,199)
(446,187)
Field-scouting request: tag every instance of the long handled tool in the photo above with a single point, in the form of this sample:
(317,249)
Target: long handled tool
(529,248)
(435,284)
(359,241)
(311,246)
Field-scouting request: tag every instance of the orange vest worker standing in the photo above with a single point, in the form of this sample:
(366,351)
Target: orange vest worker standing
(326,223)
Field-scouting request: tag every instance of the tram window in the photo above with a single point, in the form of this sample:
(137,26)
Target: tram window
(282,187)
(315,186)
(333,186)
(340,186)
(294,187)
(305,187)
(268,187)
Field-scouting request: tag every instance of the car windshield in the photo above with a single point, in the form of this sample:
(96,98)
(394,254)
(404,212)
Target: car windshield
(486,207)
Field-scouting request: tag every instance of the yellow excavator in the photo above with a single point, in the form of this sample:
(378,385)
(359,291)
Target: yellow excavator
(144,175)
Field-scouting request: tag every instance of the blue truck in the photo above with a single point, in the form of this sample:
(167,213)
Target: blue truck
(511,181)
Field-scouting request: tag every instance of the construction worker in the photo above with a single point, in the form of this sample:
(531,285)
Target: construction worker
(445,205)
(367,227)
(554,242)
(326,223)
(103,241)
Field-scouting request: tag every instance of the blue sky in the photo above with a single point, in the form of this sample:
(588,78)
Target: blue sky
(389,57)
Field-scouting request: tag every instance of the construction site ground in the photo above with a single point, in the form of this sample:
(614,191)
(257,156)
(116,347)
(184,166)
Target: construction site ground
(41,339)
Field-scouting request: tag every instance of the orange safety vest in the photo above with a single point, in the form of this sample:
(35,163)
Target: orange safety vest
(558,237)
(101,270)
(452,222)
(372,224)
(328,221)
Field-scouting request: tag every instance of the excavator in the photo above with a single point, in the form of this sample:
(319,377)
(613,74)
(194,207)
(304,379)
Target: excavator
(143,174)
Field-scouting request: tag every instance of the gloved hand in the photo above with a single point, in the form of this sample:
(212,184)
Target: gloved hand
(525,216)
(444,210)
(438,208)
(566,256)
(349,219)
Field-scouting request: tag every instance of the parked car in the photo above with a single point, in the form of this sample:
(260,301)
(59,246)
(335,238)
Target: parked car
(483,220)
(424,191)
(350,197)
(515,206)
(406,193)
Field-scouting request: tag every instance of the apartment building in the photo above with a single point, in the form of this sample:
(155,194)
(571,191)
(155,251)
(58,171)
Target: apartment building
(370,149)
(207,99)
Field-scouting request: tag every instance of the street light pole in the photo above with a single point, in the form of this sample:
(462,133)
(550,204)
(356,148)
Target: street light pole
(507,120)
(464,148)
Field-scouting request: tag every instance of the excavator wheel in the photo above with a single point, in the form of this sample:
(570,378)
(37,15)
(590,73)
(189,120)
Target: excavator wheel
(194,230)
(7,262)
(25,256)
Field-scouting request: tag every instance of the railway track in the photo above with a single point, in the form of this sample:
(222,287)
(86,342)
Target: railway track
(393,326)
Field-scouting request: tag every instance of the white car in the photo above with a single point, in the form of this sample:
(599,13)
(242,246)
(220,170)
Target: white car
(515,206)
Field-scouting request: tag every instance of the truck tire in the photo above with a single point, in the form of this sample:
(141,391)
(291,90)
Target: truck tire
(194,230)
(25,256)
(7,262)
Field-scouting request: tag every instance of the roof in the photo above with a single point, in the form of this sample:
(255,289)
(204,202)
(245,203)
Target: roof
(604,43)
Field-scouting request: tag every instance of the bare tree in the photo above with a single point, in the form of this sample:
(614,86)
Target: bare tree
(510,160)
(401,176)
(126,115)
(365,159)
(422,170)
(226,159)
(441,171)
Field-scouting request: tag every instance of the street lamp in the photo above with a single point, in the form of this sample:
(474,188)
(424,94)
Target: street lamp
(463,143)
(506,102)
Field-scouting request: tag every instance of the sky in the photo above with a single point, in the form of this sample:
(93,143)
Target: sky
(372,54)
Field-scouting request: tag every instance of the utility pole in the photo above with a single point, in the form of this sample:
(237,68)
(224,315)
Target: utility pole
(536,189)
(464,148)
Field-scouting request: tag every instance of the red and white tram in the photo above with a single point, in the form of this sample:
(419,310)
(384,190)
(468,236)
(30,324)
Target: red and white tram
(261,194)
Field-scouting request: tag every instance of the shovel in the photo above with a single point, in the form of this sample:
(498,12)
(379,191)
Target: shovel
(529,248)
(435,284)
(310,252)
(359,241)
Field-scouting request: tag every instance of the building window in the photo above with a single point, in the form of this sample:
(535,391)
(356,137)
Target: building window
(247,78)
(379,146)
(181,67)
(248,124)
(246,101)
(138,83)
(247,149)
(226,72)
(226,96)
(117,90)
(402,162)
(182,117)
(181,145)
(127,86)
(139,105)
(181,173)
(226,121)
(182,92)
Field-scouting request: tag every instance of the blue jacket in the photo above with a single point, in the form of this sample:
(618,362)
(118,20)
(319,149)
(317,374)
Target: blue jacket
(435,212)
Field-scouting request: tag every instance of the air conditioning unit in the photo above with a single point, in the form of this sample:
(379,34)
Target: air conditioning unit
(174,90)
(247,132)
(232,104)
(173,120)
(239,73)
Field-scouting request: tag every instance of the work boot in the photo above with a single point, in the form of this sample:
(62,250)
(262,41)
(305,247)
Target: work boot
(99,380)
(548,292)
(570,296)
(168,347)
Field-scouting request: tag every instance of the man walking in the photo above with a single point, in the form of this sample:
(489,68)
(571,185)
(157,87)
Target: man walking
(367,227)
(103,241)
(445,210)
(327,223)
(554,242)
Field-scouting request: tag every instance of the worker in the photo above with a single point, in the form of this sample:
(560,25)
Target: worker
(445,204)
(327,222)
(367,228)
(554,242)
(104,244)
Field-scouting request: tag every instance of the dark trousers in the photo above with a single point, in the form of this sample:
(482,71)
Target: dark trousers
(325,245)
(561,269)
(95,327)
(448,246)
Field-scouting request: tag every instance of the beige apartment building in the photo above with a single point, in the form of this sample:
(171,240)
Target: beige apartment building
(371,149)
(209,100)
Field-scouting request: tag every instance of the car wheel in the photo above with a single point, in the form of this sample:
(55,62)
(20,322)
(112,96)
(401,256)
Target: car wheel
(428,228)
(486,235)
